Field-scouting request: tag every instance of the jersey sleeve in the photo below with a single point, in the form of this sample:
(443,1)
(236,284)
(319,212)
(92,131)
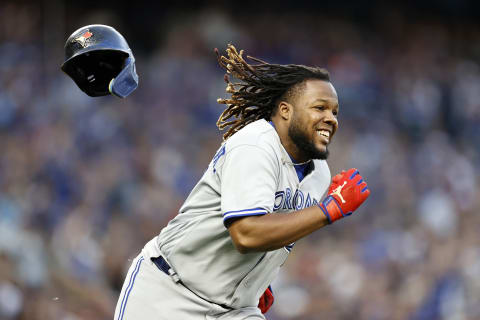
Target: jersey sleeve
(248,182)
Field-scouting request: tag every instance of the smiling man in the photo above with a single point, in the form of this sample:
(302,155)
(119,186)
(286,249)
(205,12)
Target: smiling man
(261,193)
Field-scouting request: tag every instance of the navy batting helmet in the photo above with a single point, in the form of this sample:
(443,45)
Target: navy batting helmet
(99,60)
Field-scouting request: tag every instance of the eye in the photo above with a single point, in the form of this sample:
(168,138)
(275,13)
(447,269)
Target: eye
(335,112)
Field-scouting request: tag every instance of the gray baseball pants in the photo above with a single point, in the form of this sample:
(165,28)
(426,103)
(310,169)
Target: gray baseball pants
(150,294)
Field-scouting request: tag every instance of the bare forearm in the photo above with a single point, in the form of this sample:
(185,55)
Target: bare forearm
(273,231)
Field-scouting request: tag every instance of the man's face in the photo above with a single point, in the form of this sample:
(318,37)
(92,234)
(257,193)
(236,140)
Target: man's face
(314,119)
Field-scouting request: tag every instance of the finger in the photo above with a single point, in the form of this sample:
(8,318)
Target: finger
(365,195)
(337,178)
(352,173)
(355,180)
(362,186)
(365,190)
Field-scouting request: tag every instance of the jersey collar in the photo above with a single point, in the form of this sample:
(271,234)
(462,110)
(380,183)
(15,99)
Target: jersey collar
(291,160)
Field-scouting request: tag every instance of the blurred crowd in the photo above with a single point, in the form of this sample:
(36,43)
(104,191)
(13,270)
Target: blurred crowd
(85,182)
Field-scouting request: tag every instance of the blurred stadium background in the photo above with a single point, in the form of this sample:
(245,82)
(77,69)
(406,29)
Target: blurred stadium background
(85,182)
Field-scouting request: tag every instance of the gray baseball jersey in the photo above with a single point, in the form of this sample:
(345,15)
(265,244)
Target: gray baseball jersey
(250,175)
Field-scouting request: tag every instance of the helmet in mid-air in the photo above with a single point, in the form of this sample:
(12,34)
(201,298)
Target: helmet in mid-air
(99,60)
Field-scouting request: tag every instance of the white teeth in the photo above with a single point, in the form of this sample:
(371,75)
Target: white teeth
(324,133)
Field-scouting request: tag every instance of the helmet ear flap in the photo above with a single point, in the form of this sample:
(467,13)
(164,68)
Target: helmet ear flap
(126,81)
(94,56)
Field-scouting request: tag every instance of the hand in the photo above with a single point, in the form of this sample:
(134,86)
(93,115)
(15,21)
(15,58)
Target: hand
(346,193)
(266,300)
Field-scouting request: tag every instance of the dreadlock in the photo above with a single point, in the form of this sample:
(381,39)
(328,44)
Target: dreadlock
(259,89)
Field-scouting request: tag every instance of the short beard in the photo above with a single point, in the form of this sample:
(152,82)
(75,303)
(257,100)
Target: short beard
(304,144)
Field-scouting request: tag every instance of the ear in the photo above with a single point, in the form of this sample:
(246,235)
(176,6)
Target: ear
(285,110)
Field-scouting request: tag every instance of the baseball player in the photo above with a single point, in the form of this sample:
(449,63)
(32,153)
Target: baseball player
(262,191)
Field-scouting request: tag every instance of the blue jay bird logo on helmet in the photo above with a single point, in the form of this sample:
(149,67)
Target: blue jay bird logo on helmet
(82,40)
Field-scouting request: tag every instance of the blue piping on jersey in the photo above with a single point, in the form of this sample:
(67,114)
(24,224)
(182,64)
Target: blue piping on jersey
(129,288)
(245,210)
(247,214)
(243,213)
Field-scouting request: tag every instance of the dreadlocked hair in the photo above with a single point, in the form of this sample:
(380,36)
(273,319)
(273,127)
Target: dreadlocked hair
(259,88)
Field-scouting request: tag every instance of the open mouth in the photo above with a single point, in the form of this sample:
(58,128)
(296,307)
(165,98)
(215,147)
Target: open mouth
(324,134)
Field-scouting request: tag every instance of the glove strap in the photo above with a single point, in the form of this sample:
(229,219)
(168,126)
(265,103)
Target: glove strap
(331,209)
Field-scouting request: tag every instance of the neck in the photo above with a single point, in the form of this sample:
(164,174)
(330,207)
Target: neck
(287,143)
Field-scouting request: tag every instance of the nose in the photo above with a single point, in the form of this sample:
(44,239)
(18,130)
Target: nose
(331,119)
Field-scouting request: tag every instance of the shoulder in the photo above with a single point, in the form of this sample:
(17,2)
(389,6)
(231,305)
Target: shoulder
(260,134)
(252,151)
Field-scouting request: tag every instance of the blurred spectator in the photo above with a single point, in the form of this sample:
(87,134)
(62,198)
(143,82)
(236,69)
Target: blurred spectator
(84,182)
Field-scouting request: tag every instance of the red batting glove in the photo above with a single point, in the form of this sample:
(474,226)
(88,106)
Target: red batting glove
(346,193)
(266,300)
